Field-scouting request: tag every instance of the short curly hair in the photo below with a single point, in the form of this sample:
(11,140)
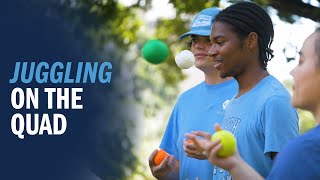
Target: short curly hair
(246,17)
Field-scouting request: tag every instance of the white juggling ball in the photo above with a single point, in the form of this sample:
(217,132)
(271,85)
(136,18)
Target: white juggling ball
(185,59)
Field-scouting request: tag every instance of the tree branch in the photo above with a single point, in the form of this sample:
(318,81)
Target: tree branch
(297,7)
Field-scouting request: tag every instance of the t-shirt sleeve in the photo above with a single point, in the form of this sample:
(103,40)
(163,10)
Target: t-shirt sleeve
(280,123)
(170,136)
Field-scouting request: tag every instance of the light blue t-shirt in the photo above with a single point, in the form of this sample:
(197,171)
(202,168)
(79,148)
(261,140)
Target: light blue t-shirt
(262,121)
(196,109)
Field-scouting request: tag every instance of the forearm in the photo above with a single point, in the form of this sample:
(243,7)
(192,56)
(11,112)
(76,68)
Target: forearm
(242,171)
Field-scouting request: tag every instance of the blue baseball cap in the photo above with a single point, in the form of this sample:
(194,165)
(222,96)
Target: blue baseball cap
(201,24)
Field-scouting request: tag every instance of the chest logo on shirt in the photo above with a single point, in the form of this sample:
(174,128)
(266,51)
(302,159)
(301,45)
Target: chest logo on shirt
(224,105)
(231,124)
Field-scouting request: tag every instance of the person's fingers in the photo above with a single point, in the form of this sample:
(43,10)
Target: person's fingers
(196,141)
(151,157)
(189,145)
(217,127)
(198,156)
(214,151)
(203,134)
(171,163)
(163,165)
(188,135)
(184,144)
(208,146)
(192,151)
(165,161)
(205,154)
(162,169)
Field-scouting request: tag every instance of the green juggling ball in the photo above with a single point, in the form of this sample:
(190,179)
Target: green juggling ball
(155,51)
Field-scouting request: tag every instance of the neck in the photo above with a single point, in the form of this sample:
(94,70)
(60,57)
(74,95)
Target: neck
(249,79)
(213,77)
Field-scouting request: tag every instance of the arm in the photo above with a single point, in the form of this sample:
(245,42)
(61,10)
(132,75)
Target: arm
(242,171)
(238,169)
(169,168)
(273,155)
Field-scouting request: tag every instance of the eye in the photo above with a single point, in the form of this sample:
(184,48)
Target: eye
(189,44)
(220,43)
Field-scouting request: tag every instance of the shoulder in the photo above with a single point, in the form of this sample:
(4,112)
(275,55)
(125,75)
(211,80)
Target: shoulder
(275,92)
(270,90)
(189,93)
(232,84)
(299,159)
(278,100)
(305,143)
(275,87)
(279,108)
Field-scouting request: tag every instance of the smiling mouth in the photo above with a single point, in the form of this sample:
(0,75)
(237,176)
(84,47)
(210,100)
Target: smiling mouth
(201,55)
(218,65)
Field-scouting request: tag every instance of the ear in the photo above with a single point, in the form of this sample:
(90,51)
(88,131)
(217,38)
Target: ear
(252,40)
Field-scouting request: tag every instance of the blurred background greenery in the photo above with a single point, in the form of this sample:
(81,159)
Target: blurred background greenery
(119,29)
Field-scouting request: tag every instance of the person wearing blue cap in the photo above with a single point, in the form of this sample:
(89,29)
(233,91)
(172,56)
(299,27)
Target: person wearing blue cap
(196,110)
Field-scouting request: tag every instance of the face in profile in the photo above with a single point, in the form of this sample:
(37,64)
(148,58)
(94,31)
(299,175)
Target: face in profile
(306,74)
(227,50)
(200,46)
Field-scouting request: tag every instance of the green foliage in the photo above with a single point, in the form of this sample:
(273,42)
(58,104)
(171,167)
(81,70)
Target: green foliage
(192,6)
(306,119)
(109,21)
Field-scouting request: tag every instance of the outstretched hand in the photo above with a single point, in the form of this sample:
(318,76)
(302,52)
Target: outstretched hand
(193,150)
(210,151)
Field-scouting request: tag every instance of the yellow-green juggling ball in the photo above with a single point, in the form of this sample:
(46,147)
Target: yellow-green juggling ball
(228,142)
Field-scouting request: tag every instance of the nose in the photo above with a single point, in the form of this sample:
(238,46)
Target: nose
(199,45)
(213,51)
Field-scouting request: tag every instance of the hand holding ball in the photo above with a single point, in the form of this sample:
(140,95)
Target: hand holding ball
(155,51)
(161,154)
(228,142)
(185,59)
